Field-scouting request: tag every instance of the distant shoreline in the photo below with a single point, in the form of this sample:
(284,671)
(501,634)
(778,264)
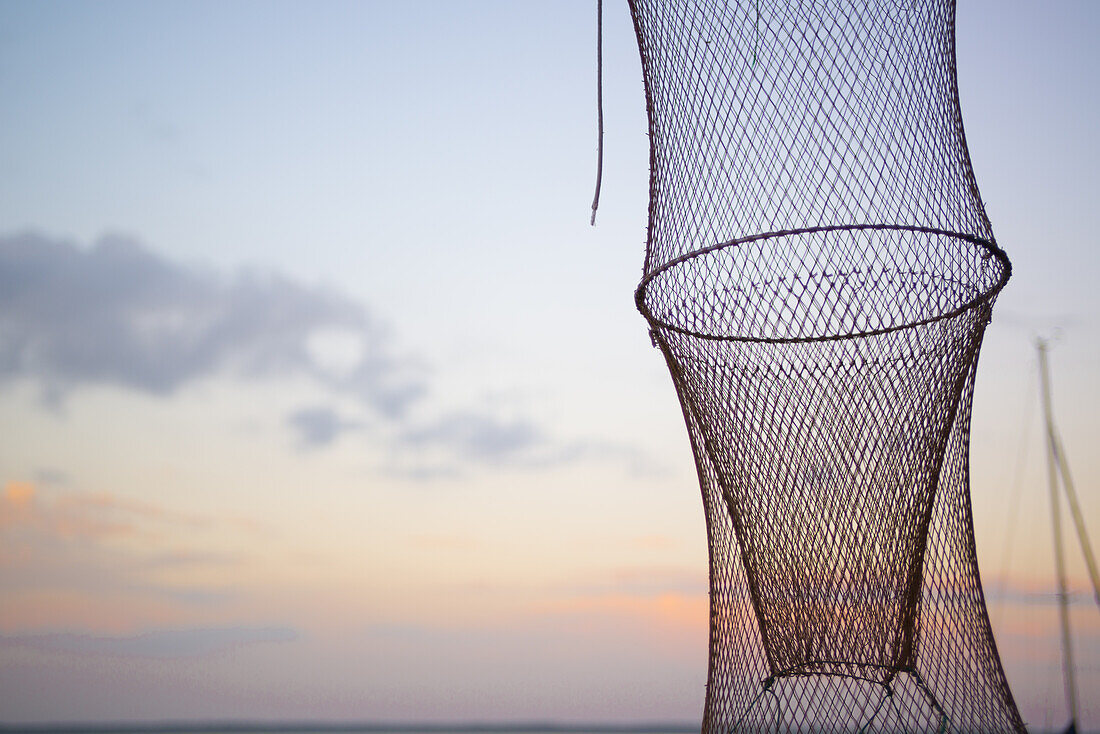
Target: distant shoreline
(174,727)
(316,727)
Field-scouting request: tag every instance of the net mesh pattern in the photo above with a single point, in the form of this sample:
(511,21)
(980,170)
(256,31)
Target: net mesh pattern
(819,273)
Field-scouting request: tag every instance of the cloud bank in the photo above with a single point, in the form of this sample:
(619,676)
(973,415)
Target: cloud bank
(118,314)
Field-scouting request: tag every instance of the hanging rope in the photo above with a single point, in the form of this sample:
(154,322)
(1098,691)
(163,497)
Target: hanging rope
(599,107)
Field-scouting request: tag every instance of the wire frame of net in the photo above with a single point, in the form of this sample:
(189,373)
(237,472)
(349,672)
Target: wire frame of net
(819,274)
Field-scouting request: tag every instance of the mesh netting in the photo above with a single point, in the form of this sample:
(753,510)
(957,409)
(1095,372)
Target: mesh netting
(819,274)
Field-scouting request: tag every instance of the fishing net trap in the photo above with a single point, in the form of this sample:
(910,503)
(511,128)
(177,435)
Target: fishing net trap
(819,274)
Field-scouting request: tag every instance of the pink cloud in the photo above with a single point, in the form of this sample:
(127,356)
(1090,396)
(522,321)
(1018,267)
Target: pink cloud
(89,557)
(86,515)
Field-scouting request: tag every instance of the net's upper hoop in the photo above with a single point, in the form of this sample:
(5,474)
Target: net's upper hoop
(741,309)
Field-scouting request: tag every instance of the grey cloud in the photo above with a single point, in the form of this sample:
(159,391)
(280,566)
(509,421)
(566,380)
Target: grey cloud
(172,643)
(50,475)
(491,439)
(479,435)
(440,448)
(636,462)
(119,314)
(424,471)
(318,426)
(482,436)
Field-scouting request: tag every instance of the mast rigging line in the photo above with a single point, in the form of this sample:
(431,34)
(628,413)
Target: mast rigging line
(1058,456)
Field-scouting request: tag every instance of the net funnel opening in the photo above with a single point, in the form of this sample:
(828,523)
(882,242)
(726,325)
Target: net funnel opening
(819,274)
(822,283)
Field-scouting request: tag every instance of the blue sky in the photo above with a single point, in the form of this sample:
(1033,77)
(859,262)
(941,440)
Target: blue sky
(321,399)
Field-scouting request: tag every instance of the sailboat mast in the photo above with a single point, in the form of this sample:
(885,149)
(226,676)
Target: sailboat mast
(1055,514)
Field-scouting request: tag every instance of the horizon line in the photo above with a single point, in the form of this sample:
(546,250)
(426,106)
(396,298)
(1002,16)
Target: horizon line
(171,726)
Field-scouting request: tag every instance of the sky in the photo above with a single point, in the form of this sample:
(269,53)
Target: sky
(321,399)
